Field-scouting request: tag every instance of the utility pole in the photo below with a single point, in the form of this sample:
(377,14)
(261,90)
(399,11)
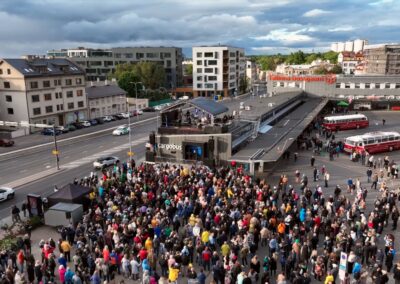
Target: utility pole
(55,152)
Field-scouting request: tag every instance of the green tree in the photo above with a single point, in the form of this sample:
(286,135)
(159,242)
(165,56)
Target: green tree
(243,85)
(337,69)
(321,71)
(188,69)
(331,56)
(125,82)
(311,57)
(151,74)
(296,58)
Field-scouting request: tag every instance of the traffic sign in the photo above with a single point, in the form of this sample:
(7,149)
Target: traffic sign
(130,154)
(55,152)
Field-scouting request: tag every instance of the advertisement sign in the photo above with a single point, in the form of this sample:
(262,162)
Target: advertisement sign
(342,265)
(328,79)
(170,147)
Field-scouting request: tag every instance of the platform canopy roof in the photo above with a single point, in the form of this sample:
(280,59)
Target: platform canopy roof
(207,105)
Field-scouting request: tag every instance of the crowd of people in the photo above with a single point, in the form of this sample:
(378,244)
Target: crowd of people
(173,224)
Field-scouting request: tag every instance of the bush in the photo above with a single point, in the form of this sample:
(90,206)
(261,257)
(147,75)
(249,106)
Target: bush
(35,222)
(8,243)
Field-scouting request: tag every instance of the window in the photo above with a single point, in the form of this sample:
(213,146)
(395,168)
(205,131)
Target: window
(79,93)
(36,111)
(70,105)
(8,99)
(60,107)
(34,85)
(199,85)
(357,85)
(47,97)
(70,94)
(199,78)
(68,82)
(367,85)
(59,95)
(387,85)
(212,78)
(6,85)
(78,81)
(49,109)
(199,62)
(199,54)
(347,85)
(212,62)
(208,54)
(35,98)
(10,110)
(80,104)
(397,86)
(338,85)
(199,70)
(57,82)
(8,71)
(208,70)
(46,84)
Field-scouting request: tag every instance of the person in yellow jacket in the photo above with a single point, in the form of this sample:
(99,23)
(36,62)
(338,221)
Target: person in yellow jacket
(225,249)
(205,236)
(148,244)
(173,274)
(329,278)
(192,220)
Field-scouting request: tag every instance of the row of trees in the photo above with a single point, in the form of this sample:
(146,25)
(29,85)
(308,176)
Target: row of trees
(269,62)
(150,74)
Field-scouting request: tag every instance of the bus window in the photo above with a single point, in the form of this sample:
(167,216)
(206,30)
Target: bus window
(391,138)
(360,144)
(371,141)
(385,139)
(365,141)
(396,137)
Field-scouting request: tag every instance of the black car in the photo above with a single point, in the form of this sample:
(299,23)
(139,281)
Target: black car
(70,127)
(77,125)
(99,120)
(6,143)
(149,109)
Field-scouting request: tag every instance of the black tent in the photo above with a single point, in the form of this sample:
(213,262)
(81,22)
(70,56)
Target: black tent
(71,193)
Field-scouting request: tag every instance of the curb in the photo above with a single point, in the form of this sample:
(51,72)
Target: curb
(34,177)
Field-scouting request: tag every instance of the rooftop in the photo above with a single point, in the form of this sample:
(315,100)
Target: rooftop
(94,92)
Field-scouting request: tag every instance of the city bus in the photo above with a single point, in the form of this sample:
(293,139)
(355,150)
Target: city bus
(344,122)
(373,142)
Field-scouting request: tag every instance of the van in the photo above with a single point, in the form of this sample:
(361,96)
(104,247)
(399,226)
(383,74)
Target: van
(362,106)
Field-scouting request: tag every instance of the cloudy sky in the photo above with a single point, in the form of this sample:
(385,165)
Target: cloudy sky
(260,26)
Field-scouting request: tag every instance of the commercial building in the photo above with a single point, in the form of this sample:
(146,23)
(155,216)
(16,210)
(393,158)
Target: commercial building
(105,98)
(382,59)
(44,91)
(218,70)
(349,46)
(379,92)
(99,63)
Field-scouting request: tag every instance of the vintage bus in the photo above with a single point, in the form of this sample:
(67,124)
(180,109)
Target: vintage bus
(344,122)
(373,142)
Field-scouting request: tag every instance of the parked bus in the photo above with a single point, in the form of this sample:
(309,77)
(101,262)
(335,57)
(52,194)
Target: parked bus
(344,122)
(373,142)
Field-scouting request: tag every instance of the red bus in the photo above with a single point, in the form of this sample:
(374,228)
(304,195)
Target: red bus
(373,142)
(344,122)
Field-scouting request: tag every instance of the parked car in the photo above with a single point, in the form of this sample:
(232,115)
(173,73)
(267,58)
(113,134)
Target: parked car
(50,131)
(70,127)
(121,130)
(140,112)
(6,142)
(93,122)
(116,117)
(77,125)
(120,116)
(149,109)
(86,123)
(108,118)
(6,193)
(99,120)
(104,162)
(62,129)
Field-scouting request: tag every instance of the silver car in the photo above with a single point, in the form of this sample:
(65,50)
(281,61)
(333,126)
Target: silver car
(104,162)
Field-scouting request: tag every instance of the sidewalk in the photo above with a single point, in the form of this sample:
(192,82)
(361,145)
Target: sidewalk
(31,178)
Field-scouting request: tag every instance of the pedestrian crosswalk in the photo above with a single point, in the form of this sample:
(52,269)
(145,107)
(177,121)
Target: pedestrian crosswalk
(108,152)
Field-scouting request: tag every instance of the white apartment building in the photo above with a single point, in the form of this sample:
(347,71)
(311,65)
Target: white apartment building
(99,63)
(251,71)
(105,98)
(350,46)
(40,90)
(218,70)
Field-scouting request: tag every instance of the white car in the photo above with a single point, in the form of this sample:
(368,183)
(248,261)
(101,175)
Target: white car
(86,123)
(107,118)
(121,130)
(140,112)
(104,162)
(125,114)
(6,193)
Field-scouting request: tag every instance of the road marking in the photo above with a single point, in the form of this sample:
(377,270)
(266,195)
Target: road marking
(48,167)
(73,138)
(66,157)
(22,171)
(287,121)
(84,151)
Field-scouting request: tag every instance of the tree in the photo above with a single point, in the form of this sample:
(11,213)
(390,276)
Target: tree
(296,58)
(331,56)
(321,71)
(337,69)
(312,57)
(125,82)
(151,74)
(188,69)
(243,85)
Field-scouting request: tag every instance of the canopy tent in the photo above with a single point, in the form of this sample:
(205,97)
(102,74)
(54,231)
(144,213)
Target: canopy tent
(71,193)
(343,104)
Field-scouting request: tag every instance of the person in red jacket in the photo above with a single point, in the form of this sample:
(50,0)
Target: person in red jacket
(142,254)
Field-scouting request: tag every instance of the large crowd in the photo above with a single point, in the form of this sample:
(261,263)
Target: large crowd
(173,224)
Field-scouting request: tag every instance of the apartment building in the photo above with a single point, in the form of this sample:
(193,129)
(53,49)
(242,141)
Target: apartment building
(105,98)
(251,71)
(41,90)
(99,63)
(382,59)
(218,70)
(349,61)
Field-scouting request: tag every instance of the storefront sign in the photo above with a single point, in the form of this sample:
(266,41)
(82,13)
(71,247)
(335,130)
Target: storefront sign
(328,79)
(170,147)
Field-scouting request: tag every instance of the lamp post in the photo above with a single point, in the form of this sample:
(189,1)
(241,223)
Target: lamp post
(136,107)
(130,153)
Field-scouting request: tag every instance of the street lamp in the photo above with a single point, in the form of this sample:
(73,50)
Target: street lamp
(130,153)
